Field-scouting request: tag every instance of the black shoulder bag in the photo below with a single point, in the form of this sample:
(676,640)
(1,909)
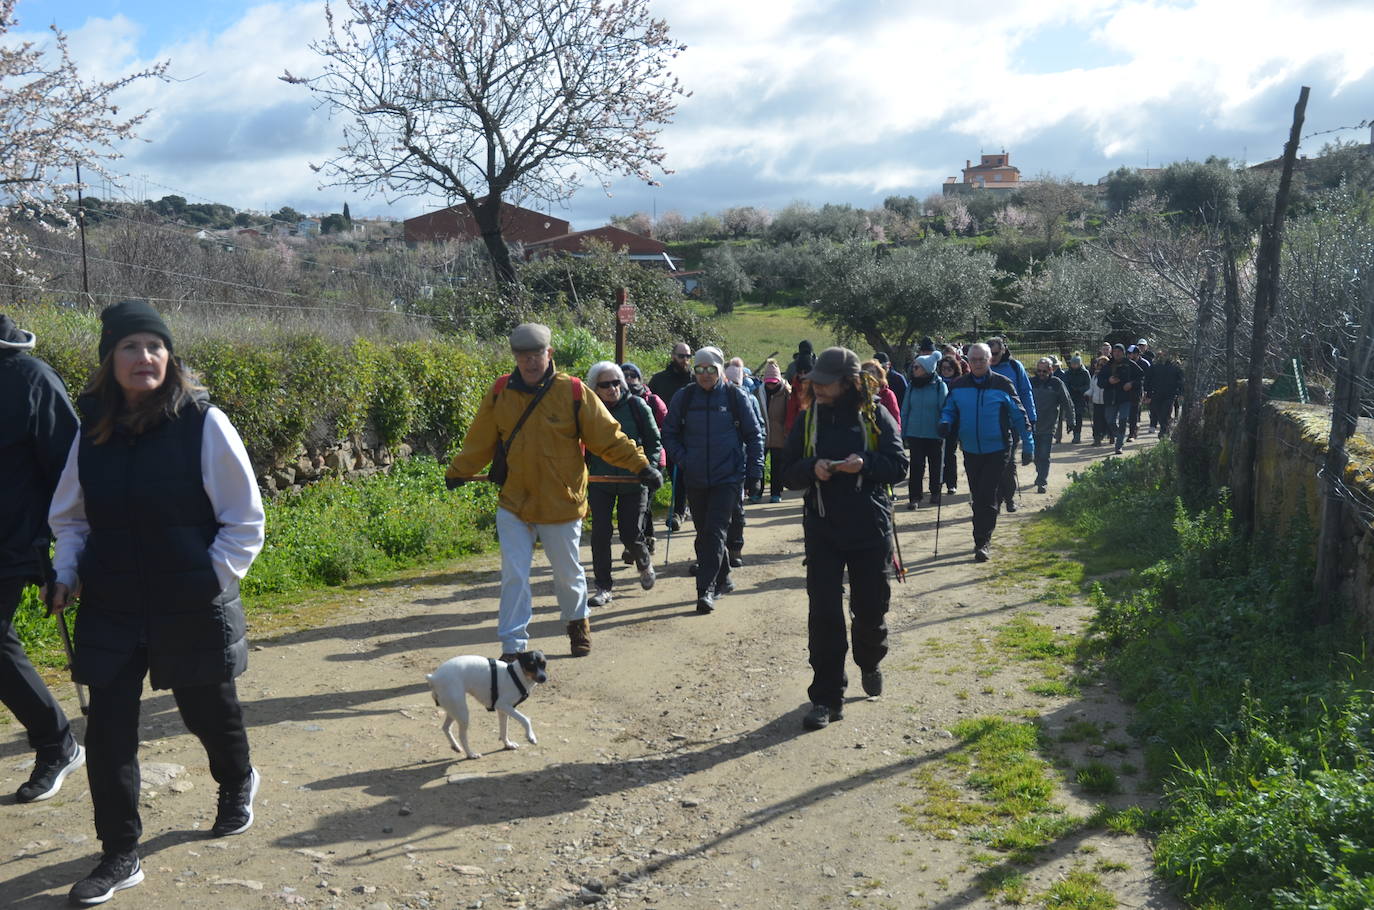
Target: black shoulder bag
(499,470)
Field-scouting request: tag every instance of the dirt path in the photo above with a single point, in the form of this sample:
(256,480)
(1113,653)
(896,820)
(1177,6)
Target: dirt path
(671,770)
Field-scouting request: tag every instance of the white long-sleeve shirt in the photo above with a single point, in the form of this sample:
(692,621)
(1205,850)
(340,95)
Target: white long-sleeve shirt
(227,476)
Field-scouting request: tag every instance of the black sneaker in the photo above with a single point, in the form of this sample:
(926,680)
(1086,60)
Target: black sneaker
(821,715)
(951,489)
(980,553)
(673,522)
(872,681)
(706,602)
(48,775)
(736,558)
(1011,505)
(235,814)
(726,587)
(627,557)
(116,872)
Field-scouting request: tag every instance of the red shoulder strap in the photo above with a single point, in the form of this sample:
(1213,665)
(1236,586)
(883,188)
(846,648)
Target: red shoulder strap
(499,385)
(577,388)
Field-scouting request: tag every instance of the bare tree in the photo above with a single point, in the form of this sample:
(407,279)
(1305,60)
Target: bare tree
(51,120)
(479,99)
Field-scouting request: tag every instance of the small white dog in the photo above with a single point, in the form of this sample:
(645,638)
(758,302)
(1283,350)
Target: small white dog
(497,685)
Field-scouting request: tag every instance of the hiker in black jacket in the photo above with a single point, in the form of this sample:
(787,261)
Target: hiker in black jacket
(844,452)
(37,425)
(1163,385)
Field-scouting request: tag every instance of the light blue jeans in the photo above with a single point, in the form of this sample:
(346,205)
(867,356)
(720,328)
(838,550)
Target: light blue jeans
(561,542)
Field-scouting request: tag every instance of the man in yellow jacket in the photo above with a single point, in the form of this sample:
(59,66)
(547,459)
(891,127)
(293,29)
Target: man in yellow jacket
(544,496)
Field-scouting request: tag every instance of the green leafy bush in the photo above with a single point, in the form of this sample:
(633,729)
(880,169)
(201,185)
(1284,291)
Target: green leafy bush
(1260,727)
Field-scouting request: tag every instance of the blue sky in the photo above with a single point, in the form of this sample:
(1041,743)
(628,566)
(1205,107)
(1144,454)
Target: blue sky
(813,100)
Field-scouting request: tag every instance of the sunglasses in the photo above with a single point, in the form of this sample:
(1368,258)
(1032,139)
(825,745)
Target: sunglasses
(608,384)
(682,356)
(710,368)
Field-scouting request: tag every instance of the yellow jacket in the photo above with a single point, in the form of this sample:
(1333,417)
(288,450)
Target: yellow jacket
(547,478)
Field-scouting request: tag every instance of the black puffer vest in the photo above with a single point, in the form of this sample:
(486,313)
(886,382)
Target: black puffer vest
(146,573)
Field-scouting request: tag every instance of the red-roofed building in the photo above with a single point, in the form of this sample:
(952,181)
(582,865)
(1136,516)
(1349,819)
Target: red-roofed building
(644,250)
(518,225)
(992,172)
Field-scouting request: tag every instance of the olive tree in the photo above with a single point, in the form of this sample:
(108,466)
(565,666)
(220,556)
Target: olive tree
(477,100)
(51,121)
(890,298)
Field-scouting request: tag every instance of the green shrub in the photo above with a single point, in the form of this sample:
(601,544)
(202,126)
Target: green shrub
(1261,727)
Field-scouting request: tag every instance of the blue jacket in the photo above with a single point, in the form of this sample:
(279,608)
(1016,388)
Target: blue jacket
(985,412)
(921,409)
(701,439)
(1011,368)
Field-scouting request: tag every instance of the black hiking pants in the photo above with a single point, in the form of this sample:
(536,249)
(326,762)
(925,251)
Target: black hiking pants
(869,595)
(985,474)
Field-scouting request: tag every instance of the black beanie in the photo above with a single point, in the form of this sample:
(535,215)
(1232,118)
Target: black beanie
(120,320)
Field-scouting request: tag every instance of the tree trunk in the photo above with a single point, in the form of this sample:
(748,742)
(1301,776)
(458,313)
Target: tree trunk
(1345,413)
(487,213)
(1232,312)
(1266,295)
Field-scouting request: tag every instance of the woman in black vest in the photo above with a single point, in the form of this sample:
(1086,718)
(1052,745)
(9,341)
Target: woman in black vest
(157,517)
(844,452)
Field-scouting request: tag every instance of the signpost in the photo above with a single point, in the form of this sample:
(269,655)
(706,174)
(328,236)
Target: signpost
(624,315)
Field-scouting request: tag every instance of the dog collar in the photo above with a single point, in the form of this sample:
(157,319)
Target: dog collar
(515,678)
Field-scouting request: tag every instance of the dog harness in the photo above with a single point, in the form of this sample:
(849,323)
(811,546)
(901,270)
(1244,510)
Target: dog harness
(515,678)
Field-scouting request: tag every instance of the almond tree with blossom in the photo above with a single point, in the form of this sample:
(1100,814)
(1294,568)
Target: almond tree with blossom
(51,121)
(480,100)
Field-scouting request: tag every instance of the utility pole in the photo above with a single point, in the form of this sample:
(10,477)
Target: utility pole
(81,228)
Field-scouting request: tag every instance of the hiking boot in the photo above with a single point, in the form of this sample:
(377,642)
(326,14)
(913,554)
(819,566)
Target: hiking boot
(1039,488)
(580,637)
(673,522)
(1117,451)
(706,602)
(692,569)
(649,543)
(647,576)
(1077,438)
(1011,505)
(872,681)
(821,715)
(48,775)
(627,557)
(951,489)
(736,558)
(115,872)
(980,553)
(911,505)
(602,597)
(509,657)
(235,814)
(775,498)
(725,587)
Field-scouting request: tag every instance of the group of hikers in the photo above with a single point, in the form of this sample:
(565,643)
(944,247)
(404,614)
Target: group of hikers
(157,516)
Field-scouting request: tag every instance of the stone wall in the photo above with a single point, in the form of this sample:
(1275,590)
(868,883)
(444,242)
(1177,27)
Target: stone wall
(1292,451)
(355,457)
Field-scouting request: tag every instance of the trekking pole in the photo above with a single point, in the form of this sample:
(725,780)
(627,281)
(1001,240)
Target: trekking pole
(898,565)
(938,506)
(672,491)
(71,661)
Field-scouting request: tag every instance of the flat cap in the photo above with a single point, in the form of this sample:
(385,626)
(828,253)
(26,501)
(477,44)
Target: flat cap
(835,364)
(530,336)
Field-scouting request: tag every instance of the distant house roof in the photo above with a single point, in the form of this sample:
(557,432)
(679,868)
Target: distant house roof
(518,225)
(641,249)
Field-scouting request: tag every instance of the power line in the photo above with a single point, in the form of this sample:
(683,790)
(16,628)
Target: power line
(232,303)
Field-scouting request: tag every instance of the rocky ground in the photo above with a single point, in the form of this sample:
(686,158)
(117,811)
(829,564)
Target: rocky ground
(671,771)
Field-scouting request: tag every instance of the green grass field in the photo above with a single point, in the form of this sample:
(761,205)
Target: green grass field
(754,331)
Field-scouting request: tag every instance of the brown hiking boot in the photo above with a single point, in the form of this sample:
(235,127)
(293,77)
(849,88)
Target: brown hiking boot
(580,637)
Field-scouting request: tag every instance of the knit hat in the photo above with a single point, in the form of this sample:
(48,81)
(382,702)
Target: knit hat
(530,336)
(708,355)
(881,357)
(929,362)
(927,345)
(627,368)
(805,363)
(735,373)
(771,371)
(120,320)
(835,364)
(1076,360)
